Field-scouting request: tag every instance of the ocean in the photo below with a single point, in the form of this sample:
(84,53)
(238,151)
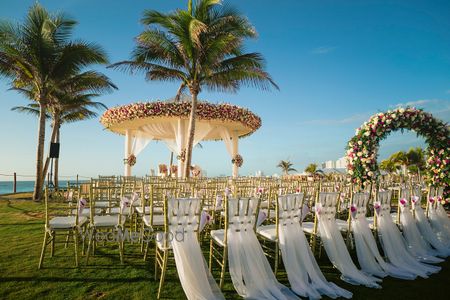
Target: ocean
(6,187)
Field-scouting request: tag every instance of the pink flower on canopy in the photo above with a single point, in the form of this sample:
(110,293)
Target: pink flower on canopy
(353,208)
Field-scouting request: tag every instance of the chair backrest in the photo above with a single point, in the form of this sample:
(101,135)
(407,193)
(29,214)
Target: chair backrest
(289,209)
(360,201)
(181,216)
(328,202)
(384,199)
(241,214)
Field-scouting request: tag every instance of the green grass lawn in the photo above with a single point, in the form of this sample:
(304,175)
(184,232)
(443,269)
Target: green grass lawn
(21,231)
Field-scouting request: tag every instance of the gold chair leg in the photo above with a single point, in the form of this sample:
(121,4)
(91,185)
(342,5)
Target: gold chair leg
(44,245)
(156,262)
(52,252)
(146,250)
(91,240)
(75,242)
(67,239)
(121,251)
(163,273)
(211,247)
(142,237)
(224,267)
(277,256)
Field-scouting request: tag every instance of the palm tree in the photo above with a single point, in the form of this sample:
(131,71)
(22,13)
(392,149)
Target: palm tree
(286,166)
(70,108)
(311,168)
(201,47)
(388,165)
(38,56)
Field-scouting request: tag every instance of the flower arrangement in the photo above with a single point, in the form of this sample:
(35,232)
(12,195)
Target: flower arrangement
(362,149)
(131,160)
(182,155)
(237,160)
(205,111)
(162,169)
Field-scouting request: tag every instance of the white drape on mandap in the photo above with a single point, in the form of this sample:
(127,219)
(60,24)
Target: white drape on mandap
(334,243)
(369,257)
(195,278)
(392,242)
(249,269)
(304,274)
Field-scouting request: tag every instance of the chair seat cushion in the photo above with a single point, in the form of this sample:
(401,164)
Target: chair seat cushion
(107,221)
(218,236)
(308,227)
(268,231)
(86,212)
(116,211)
(66,222)
(158,220)
(157,210)
(102,204)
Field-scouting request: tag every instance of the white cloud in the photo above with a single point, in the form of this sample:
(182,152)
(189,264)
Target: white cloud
(418,103)
(323,50)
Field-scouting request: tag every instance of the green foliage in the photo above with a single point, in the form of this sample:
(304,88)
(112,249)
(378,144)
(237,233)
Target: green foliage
(311,168)
(286,166)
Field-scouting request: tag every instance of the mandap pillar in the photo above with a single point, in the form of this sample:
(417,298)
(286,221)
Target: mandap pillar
(128,140)
(235,151)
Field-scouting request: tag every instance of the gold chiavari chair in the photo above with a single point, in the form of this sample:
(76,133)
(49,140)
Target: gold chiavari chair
(187,221)
(218,250)
(58,219)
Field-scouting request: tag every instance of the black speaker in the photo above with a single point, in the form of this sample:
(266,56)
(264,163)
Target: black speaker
(54,150)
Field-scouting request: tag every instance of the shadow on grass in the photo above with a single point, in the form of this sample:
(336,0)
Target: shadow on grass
(65,279)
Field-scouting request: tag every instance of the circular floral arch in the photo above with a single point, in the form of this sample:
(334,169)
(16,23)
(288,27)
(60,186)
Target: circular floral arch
(362,149)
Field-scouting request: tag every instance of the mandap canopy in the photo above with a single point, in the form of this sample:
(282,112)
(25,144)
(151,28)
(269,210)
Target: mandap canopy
(167,121)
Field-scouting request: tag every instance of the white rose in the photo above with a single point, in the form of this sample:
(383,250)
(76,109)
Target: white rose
(388,121)
(359,154)
(367,133)
(350,172)
(359,143)
(394,116)
(401,110)
(370,174)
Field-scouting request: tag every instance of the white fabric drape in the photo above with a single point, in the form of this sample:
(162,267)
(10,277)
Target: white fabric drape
(249,269)
(195,278)
(226,137)
(334,243)
(392,242)
(369,257)
(303,272)
(417,246)
(425,228)
(139,143)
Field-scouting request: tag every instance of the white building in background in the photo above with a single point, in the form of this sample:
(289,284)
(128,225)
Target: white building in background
(329,164)
(341,163)
(259,173)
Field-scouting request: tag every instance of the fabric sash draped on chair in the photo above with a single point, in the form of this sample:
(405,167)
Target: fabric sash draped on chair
(195,278)
(249,269)
(417,245)
(427,232)
(334,243)
(369,257)
(439,219)
(392,242)
(302,270)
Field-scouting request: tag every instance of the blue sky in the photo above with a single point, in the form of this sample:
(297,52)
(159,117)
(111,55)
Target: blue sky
(336,62)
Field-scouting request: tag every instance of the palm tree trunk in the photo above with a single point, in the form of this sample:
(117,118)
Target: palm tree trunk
(55,180)
(191,130)
(55,129)
(38,185)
